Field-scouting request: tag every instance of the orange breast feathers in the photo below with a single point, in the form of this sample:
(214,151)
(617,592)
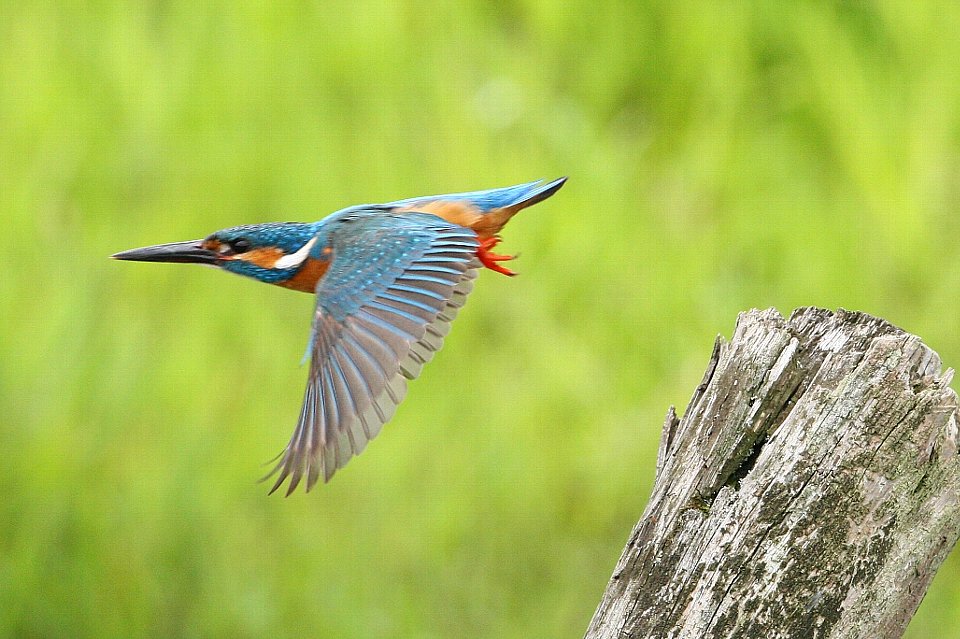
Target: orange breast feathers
(307,277)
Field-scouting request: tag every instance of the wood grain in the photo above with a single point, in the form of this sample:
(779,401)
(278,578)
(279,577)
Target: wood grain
(811,489)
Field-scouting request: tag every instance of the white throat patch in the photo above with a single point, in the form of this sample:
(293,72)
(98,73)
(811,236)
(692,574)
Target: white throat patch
(296,259)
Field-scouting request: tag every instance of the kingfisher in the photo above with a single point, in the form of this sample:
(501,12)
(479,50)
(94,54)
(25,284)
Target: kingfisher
(388,279)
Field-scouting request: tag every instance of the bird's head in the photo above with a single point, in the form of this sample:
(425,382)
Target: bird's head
(274,253)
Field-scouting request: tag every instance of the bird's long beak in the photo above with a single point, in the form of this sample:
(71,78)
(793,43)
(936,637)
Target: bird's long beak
(191,252)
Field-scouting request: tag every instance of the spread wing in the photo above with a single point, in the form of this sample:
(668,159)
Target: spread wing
(383,308)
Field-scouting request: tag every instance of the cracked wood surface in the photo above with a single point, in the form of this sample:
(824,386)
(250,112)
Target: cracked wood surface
(811,489)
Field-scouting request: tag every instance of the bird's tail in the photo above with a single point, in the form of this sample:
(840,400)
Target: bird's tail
(524,195)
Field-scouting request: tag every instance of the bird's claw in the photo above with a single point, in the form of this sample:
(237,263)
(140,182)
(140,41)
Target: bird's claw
(490,260)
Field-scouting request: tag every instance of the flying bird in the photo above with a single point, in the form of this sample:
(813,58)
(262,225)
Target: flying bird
(388,278)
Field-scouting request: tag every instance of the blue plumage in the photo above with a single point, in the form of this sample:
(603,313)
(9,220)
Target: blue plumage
(389,279)
(490,199)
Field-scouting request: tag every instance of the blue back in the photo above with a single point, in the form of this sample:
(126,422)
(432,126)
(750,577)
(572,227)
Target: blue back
(488,199)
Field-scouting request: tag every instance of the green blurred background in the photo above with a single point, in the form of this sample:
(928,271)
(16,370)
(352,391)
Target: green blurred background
(722,156)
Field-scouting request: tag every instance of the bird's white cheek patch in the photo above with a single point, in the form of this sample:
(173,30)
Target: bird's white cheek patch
(295,259)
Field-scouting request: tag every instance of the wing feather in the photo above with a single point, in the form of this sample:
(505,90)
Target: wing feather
(381,316)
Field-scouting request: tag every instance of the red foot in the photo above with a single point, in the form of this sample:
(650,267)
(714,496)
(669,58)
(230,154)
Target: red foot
(490,260)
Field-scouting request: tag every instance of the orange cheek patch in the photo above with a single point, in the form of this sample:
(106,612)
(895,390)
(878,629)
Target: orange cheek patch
(307,277)
(264,257)
(462,213)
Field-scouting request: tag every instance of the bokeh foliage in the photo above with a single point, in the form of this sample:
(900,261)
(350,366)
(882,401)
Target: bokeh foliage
(722,156)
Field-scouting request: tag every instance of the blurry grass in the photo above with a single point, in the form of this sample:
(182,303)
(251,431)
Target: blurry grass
(721,158)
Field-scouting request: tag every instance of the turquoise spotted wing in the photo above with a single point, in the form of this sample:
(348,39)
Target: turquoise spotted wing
(383,308)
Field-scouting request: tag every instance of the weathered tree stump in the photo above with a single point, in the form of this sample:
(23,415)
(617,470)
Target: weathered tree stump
(812,489)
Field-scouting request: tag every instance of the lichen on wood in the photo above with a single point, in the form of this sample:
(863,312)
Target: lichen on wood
(811,489)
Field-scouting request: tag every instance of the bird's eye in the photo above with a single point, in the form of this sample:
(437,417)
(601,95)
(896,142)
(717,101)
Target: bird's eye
(241,245)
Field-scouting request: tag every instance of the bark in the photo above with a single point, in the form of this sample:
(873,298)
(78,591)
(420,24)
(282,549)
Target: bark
(811,489)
